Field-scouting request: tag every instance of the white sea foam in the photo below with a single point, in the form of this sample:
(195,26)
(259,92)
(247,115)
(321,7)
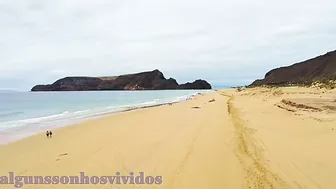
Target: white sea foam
(68,114)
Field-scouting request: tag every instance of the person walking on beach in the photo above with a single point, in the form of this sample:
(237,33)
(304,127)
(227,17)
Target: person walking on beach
(50,133)
(47,134)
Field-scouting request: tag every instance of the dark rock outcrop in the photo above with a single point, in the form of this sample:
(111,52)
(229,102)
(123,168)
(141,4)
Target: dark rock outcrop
(316,69)
(196,84)
(152,80)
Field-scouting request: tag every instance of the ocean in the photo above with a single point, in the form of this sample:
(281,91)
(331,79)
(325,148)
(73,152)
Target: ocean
(23,114)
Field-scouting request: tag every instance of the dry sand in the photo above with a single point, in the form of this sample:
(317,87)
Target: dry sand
(247,139)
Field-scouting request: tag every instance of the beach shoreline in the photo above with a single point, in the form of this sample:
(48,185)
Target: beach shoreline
(247,138)
(13,135)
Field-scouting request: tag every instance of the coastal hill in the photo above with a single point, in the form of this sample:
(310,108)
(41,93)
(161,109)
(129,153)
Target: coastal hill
(317,69)
(151,80)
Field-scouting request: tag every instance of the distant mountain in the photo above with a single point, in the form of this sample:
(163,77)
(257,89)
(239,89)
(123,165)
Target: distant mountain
(152,80)
(316,69)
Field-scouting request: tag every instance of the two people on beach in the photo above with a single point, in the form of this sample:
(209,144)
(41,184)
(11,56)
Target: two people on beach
(49,134)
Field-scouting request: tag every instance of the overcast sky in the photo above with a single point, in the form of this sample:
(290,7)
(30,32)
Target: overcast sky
(222,41)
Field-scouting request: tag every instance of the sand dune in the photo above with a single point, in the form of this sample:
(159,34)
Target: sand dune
(240,140)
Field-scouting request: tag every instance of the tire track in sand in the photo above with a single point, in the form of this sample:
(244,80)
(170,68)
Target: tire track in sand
(256,172)
(181,166)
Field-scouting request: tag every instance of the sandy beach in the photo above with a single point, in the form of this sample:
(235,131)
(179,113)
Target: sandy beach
(253,138)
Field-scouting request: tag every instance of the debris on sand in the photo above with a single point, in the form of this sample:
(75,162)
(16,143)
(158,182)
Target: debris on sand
(196,107)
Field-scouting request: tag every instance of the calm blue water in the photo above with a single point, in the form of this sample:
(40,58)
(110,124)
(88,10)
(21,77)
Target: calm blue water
(42,110)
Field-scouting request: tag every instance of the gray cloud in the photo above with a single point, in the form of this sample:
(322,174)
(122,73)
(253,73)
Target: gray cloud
(226,42)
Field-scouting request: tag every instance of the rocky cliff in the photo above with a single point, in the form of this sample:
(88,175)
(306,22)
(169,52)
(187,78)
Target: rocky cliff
(316,69)
(152,80)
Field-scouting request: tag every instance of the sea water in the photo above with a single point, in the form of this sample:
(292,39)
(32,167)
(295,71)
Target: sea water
(24,114)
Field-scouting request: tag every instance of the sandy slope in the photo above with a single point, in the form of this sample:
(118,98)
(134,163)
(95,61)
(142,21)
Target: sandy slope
(242,140)
(297,145)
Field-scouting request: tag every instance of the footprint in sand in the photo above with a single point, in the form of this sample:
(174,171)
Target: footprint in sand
(65,154)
